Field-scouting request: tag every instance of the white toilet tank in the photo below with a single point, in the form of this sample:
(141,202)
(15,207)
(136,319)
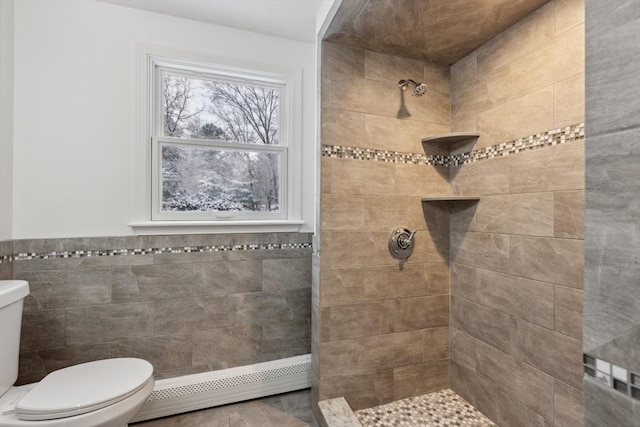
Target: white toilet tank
(12,294)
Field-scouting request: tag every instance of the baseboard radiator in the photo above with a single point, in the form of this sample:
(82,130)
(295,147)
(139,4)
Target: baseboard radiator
(190,392)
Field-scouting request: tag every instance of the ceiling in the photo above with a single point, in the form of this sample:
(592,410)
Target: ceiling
(291,19)
(442,31)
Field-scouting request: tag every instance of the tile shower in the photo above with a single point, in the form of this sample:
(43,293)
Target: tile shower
(490,304)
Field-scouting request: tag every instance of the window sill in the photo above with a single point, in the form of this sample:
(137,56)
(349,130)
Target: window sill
(203,227)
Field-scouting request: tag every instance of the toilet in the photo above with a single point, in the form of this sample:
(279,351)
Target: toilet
(103,393)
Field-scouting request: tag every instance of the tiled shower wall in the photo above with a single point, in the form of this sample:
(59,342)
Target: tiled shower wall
(612,240)
(186,303)
(382,327)
(517,256)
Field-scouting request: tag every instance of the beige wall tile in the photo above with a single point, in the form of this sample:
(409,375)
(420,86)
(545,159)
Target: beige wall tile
(361,391)
(326,172)
(554,353)
(435,105)
(42,329)
(485,324)
(568,311)
(466,125)
(325,95)
(529,214)
(358,320)
(568,406)
(479,94)
(340,60)
(528,385)
(393,134)
(568,14)
(560,167)
(257,308)
(356,249)
(463,71)
(560,59)
(365,96)
(341,127)
(363,177)
(521,39)
(568,101)
(227,347)
(339,358)
(484,250)
(558,261)
(421,313)
(463,348)
(389,68)
(350,285)
(420,181)
(421,378)
(165,353)
(342,212)
(523,116)
(58,358)
(527,299)
(95,324)
(491,399)
(568,214)
(481,178)
(436,343)
(388,213)
(390,351)
(464,281)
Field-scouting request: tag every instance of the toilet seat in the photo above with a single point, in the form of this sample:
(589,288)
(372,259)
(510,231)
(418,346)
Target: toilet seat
(84,388)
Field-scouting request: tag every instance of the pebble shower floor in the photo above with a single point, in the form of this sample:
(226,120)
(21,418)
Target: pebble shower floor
(440,409)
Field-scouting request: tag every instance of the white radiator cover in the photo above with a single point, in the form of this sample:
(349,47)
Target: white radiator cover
(198,391)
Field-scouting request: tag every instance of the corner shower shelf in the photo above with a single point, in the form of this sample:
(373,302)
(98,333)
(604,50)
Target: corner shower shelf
(451,199)
(450,138)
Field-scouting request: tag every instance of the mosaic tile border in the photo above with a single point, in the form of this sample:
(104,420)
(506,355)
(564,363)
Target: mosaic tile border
(616,377)
(443,408)
(540,140)
(150,251)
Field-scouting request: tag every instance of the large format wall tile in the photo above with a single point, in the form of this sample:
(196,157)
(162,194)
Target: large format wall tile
(485,324)
(517,254)
(530,214)
(560,167)
(90,300)
(95,324)
(549,351)
(558,261)
(568,409)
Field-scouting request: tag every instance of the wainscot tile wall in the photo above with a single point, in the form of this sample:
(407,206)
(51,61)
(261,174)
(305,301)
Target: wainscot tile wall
(186,303)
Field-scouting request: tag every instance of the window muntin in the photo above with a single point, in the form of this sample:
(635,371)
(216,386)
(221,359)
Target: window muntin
(218,147)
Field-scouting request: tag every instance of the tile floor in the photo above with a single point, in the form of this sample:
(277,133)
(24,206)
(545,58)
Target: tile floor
(440,409)
(283,410)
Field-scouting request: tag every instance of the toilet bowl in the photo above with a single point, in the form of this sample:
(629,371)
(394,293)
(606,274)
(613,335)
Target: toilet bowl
(103,393)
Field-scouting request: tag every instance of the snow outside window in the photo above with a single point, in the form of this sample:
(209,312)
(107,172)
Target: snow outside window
(220,144)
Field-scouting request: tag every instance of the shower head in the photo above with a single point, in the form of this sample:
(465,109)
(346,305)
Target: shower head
(419,89)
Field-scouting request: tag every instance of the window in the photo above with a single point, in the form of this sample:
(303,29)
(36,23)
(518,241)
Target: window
(223,144)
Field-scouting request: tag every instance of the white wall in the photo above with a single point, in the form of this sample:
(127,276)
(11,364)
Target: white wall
(6,119)
(74,127)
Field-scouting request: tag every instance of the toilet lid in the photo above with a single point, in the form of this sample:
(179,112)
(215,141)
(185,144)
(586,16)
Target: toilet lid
(84,388)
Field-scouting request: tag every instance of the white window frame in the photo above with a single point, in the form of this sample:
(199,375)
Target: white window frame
(147,215)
